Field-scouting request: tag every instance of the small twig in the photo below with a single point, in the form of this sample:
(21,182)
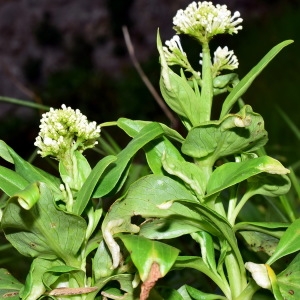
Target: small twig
(156,96)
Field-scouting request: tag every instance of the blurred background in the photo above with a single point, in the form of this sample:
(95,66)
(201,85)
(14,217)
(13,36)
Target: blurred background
(73,52)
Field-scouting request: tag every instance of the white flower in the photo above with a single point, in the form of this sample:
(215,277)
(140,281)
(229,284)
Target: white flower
(174,53)
(65,129)
(224,59)
(203,20)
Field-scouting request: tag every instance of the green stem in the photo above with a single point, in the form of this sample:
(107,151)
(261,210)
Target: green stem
(237,280)
(207,85)
(249,291)
(232,217)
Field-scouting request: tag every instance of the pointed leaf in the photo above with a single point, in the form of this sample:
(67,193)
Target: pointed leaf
(245,83)
(289,243)
(85,193)
(112,176)
(11,182)
(144,253)
(232,173)
(177,93)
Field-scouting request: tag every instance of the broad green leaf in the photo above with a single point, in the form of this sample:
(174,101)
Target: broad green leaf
(133,127)
(289,243)
(11,182)
(245,83)
(232,173)
(9,286)
(150,196)
(144,253)
(198,295)
(113,175)
(85,193)
(177,93)
(44,230)
(31,173)
(259,242)
(236,133)
(289,280)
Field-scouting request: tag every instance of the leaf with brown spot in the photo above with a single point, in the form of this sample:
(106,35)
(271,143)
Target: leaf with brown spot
(149,283)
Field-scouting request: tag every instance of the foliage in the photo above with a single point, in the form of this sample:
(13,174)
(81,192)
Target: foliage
(196,189)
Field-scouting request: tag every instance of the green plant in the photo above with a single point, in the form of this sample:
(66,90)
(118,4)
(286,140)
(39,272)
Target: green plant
(197,189)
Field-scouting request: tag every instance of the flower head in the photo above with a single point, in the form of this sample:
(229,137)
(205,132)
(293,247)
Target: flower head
(224,59)
(203,20)
(64,129)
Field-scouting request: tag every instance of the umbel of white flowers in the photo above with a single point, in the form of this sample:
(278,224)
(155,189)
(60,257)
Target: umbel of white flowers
(203,20)
(65,129)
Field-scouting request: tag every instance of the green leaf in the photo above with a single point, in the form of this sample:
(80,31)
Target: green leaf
(28,197)
(177,93)
(133,127)
(4,152)
(9,286)
(150,196)
(102,263)
(259,242)
(44,230)
(198,295)
(245,83)
(34,286)
(166,228)
(113,175)
(289,280)
(11,182)
(85,193)
(269,184)
(144,253)
(232,173)
(191,174)
(289,243)
(156,150)
(236,133)
(197,263)
(31,173)
(207,248)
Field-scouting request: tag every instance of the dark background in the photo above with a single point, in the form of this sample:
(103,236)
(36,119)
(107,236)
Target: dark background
(73,52)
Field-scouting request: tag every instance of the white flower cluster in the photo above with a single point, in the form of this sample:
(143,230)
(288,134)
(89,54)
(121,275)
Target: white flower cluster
(64,129)
(224,59)
(203,20)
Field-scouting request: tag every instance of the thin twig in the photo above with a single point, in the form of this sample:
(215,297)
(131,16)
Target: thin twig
(156,96)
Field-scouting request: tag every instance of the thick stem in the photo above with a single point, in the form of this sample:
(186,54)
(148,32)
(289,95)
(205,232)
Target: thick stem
(207,85)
